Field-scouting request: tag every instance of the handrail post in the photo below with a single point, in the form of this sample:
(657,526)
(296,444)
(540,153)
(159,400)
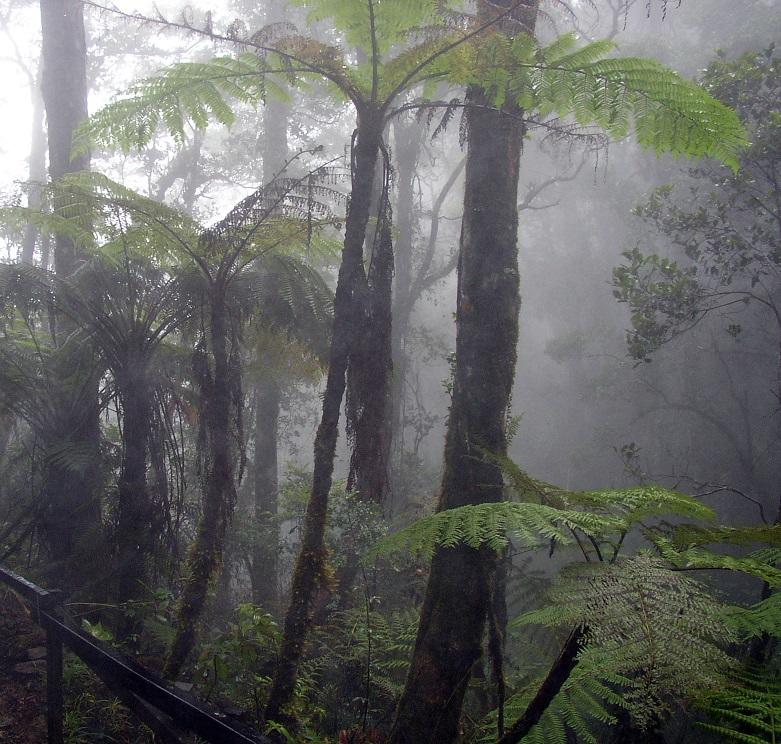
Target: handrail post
(54,649)
(53,685)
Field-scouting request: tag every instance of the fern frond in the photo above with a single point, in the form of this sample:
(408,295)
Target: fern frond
(491,524)
(645,623)
(762,618)
(667,112)
(700,559)
(747,709)
(192,92)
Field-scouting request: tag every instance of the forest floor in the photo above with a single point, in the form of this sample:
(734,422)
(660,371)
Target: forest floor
(22,674)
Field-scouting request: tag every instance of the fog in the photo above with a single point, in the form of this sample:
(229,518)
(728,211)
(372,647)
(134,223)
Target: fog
(186,535)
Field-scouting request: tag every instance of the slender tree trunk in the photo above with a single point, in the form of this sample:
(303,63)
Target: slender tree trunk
(310,564)
(265,552)
(37,170)
(205,556)
(64,86)
(452,622)
(135,513)
(73,522)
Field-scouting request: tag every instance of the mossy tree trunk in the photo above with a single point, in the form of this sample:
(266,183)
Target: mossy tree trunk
(205,556)
(453,617)
(310,567)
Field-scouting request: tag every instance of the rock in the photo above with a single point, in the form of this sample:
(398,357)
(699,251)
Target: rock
(29,667)
(39,652)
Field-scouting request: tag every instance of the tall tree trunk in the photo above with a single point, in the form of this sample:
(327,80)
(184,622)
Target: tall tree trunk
(135,513)
(371,365)
(37,169)
(73,521)
(453,616)
(310,564)
(64,86)
(265,552)
(205,556)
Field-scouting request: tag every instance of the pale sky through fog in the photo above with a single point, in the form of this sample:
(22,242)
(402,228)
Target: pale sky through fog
(20,42)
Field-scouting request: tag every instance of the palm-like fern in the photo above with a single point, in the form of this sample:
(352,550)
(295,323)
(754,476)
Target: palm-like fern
(614,94)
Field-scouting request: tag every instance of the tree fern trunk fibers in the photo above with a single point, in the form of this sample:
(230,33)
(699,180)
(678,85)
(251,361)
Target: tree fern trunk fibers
(265,549)
(135,512)
(72,525)
(556,677)
(206,552)
(310,564)
(454,611)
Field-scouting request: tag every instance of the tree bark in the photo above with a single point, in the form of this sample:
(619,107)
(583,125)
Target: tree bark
(310,564)
(206,552)
(452,622)
(135,512)
(72,524)
(37,170)
(370,368)
(64,86)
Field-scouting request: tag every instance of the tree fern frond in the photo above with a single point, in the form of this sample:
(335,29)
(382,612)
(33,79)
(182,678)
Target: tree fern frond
(645,622)
(695,558)
(762,618)
(490,525)
(186,91)
(747,709)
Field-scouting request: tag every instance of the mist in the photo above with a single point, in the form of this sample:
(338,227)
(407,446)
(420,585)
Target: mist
(392,372)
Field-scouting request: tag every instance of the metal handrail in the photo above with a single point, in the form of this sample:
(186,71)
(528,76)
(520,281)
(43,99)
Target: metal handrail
(136,687)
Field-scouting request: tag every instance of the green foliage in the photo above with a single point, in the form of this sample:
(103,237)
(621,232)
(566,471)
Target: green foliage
(652,633)
(695,558)
(760,619)
(747,709)
(540,514)
(186,91)
(725,224)
(491,525)
(358,664)
(238,662)
(668,113)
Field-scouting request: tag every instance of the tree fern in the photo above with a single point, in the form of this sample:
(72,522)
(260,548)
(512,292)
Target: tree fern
(542,514)
(491,525)
(652,636)
(747,709)
(669,113)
